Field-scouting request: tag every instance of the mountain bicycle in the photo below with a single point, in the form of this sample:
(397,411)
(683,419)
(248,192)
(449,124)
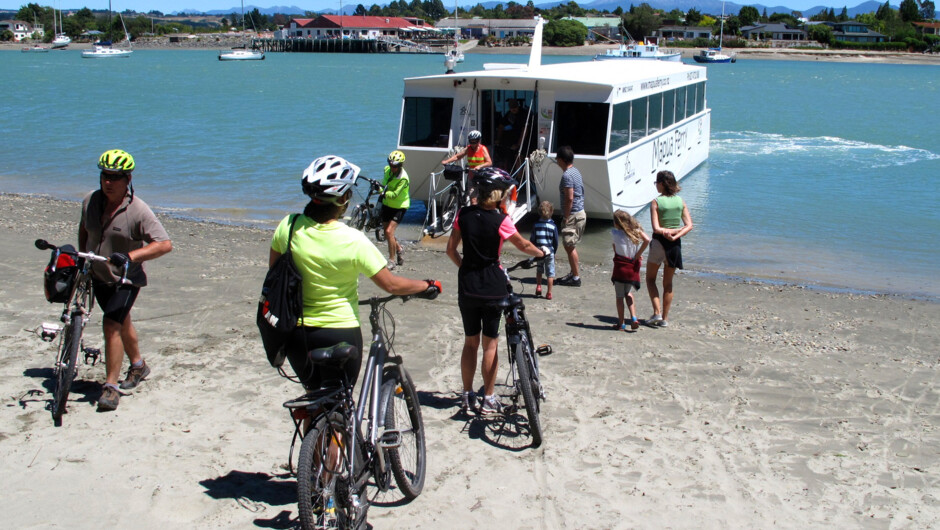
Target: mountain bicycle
(367,215)
(455,195)
(523,358)
(346,446)
(78,306)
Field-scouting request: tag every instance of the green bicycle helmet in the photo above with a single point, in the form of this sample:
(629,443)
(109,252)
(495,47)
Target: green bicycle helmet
(116,160)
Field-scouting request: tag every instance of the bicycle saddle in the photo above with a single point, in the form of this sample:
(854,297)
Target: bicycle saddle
(510,301)
(337,354)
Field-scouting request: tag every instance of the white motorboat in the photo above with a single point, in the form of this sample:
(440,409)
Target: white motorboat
(241,54)
(106,52)
(35,49)
(624,124)
(639,50)
(454,54)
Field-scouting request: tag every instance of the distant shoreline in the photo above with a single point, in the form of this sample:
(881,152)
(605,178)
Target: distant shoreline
(589,50)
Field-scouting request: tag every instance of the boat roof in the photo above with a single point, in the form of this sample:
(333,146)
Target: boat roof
(595,73)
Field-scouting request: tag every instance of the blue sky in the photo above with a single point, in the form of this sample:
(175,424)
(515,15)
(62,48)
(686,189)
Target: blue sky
(169,6)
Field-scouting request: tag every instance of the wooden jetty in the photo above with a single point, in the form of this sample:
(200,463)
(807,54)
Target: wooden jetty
(341,46)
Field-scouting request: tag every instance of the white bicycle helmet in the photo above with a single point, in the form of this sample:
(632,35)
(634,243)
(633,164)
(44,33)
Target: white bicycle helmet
(329,177)
(474,136)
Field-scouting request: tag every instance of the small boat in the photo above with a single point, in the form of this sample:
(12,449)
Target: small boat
(455,54)
(241,54)
(61,40)
(105,52)
(713,55)
(639,51)
(35,49)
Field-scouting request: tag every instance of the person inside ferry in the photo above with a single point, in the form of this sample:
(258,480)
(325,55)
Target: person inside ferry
(478,156)
(509,137)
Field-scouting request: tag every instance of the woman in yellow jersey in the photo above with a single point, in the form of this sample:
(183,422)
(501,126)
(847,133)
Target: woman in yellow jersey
(671,220)
(330,256)
(395,203)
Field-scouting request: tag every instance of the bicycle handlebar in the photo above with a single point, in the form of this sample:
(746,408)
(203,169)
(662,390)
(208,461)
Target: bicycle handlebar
(524,264)
(42,244)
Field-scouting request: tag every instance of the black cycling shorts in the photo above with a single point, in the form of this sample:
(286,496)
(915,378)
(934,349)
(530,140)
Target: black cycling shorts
(478,315)
(392,214)
(115,300)
(307,338)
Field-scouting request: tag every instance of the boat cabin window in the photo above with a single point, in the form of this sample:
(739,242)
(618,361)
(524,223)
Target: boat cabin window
(699,97)
(638,120)
(656,114)
(680,103)
(669,108)
(425,122)
(583,126)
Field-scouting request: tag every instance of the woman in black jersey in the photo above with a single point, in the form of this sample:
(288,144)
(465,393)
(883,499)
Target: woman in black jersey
(482,228)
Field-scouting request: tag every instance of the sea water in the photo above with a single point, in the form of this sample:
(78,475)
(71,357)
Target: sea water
(819,173)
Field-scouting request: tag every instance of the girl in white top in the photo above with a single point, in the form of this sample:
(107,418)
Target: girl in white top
(629,243)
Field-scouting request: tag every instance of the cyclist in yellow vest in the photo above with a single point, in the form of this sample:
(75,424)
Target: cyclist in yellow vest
(477,154)
(395,203)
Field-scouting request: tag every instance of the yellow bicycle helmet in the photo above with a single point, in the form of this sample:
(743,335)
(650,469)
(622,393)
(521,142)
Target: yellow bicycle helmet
(396,158)
(116,160)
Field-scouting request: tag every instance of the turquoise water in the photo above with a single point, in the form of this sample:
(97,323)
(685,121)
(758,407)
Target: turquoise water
(820,173)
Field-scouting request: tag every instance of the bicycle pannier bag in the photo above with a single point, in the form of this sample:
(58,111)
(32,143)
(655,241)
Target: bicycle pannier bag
(59,276)
(281,304)
(453,172)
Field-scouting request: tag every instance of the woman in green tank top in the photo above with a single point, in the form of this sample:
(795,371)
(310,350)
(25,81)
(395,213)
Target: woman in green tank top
(671,220)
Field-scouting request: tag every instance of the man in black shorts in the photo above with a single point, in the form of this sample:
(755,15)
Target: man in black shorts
(118,224)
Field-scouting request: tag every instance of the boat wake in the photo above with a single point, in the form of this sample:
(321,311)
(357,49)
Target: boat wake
(750,144)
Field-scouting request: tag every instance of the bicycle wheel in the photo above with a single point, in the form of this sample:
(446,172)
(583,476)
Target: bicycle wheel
(525,381)
(359,217)
(449,209)
(403,413)
(379,233)
(66,367)
(316,484)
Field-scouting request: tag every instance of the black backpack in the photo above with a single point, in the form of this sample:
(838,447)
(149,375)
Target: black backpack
(281,304)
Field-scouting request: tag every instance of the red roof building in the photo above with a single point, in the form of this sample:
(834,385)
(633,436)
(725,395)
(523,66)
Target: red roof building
(355,27)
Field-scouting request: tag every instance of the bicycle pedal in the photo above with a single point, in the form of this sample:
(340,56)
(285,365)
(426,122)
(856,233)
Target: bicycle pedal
(49,331)
(390,439)
(543,350)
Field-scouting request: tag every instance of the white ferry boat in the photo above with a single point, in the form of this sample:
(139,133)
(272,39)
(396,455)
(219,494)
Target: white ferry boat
(625,122)
(639,50)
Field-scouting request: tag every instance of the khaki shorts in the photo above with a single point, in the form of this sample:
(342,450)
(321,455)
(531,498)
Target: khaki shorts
(657,254)
(573,229)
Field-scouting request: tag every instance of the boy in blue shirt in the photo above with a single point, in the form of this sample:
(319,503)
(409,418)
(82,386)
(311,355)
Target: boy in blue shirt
(545,234)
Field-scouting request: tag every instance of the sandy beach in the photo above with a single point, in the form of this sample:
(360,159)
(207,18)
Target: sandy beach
(761,406)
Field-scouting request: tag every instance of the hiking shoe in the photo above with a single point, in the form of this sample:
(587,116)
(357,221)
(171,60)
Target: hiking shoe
(634,324)
(663,323)
(491,406)
(548,296)
(109,399)
(564,279)
(135,375)
(467,400)
(399,258)
(653,320)
(390,265)
(574,282)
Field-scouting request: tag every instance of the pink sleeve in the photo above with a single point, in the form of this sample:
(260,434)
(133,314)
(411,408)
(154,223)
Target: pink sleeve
(506,228)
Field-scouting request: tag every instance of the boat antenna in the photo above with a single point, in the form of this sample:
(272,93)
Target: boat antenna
(535,56)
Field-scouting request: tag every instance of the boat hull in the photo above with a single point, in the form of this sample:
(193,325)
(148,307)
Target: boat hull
(106,54)
(241,56)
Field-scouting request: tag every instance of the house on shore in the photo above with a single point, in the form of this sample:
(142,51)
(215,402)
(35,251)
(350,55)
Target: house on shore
(21,30)
(927,28)
(600,28)
(853,31)
(477,28)
(668,33)
(774,32)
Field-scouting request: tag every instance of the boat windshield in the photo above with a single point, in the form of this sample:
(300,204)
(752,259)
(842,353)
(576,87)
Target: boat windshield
(425,122)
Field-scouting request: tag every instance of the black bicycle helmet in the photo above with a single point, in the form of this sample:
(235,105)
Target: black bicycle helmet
(489,178)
